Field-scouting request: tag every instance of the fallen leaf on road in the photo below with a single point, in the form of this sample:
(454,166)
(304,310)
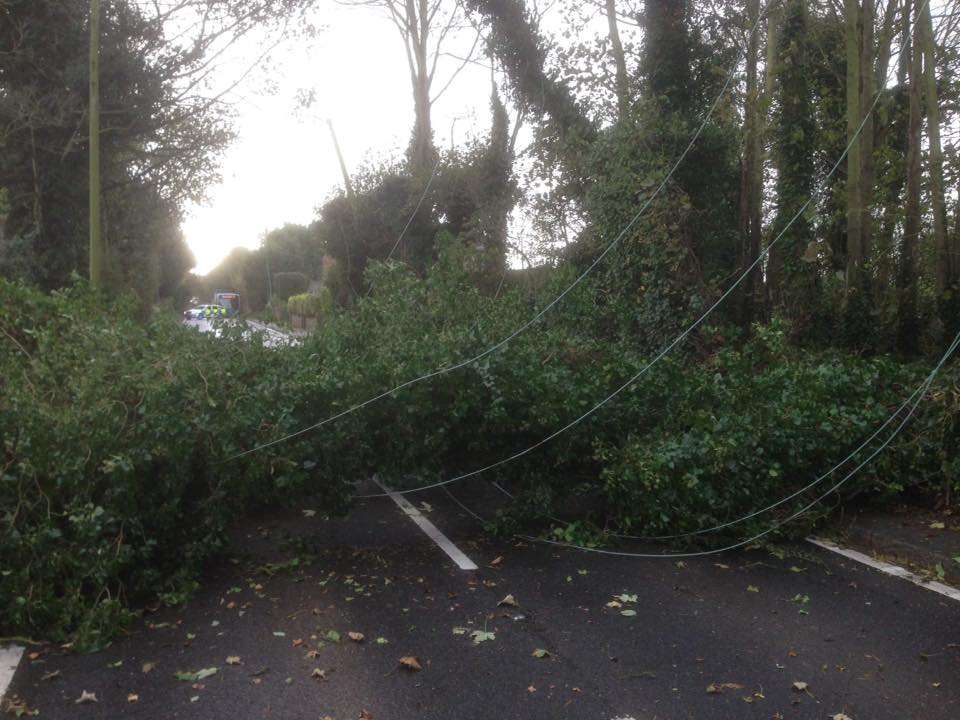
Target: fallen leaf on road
(531,689)
(718,688)
(410,663)
(628,613)
(840,716)
(233,660)
(753,588)
(309,513)
(381,641)
(51,675)
(624,597)
(133,697)
(319,674)
(614,604)
(540,653)
(355,636)
(509,600)
(497,560)
(195,676)
(480,636)
(365,715)
(333,636)
(86,697)
(800,686)
(937,525)
(147,667)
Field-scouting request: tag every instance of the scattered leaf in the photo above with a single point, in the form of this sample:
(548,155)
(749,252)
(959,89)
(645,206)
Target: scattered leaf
(628,613)
(86,697)
(753,588)
(309,513)
(937,525)
(355,636)
(480,636)
(332,636)
(51,675)
(508,600)
(800,686)
(410,663)
(319,674)
(148,667)
(233,660)
(133,697)
(497,560)
(381,641)
(718,688)
(197,676)
(540,653)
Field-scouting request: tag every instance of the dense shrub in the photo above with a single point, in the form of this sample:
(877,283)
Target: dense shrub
(287,284)
(113,488)
(312,305)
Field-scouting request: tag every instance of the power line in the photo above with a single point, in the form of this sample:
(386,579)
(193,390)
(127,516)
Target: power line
(776,525)
(666,349)
(536,318)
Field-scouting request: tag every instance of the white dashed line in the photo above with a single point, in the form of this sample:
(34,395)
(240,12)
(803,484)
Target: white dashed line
(9,659)
(462,561)
(895,570)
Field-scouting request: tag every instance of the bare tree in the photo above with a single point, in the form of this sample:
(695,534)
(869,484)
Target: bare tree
(425,26)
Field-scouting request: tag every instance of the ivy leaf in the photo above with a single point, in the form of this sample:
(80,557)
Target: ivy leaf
(480,636)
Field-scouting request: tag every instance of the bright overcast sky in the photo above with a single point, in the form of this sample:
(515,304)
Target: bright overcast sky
(283,165)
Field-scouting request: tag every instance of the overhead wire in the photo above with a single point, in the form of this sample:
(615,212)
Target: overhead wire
(667,348)
(543,311)
(918,395)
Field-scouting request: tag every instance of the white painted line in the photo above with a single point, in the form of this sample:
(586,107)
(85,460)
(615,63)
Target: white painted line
(462,561)
(895,570)
(9,659)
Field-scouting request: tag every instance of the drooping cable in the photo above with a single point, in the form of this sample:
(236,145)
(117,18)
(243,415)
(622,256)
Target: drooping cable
(543,311)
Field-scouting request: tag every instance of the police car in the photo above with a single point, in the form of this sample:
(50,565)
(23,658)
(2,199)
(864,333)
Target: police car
(205,312)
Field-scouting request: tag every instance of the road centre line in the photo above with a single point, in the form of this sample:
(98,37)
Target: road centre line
(887,568)
(455,554)
(9,659)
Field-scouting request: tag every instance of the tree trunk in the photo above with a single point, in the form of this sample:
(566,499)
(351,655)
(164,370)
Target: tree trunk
(97,259)
(421,144)
(868,88)
(616,49)
(943,263)
(854,118)
(751,185)
(774,268)
(907,276)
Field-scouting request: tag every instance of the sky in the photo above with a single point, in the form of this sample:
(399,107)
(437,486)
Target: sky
(283,164)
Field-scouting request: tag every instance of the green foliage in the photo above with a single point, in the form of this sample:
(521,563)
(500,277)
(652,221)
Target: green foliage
(311,305)
(288,284)
(113,487)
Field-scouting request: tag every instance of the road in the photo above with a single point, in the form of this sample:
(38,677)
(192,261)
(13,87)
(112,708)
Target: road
(743,635)
(271,337)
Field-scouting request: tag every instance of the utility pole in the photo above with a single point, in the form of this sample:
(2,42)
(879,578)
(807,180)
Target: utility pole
(96,235)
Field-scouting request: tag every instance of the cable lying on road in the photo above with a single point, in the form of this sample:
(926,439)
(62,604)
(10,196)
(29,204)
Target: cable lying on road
(536,318)
(916,398)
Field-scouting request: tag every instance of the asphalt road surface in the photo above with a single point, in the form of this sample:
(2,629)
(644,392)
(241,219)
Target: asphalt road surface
(743,635)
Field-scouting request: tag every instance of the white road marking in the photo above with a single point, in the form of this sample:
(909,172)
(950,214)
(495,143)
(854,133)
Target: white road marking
(9,659)
(895,570)
(462,561)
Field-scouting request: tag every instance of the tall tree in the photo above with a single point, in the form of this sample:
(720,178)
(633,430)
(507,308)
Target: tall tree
(619,59)
(868,88)
(751,182)
(943,266)
(907,322)
(794,139)
(97,250)
(855,255)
